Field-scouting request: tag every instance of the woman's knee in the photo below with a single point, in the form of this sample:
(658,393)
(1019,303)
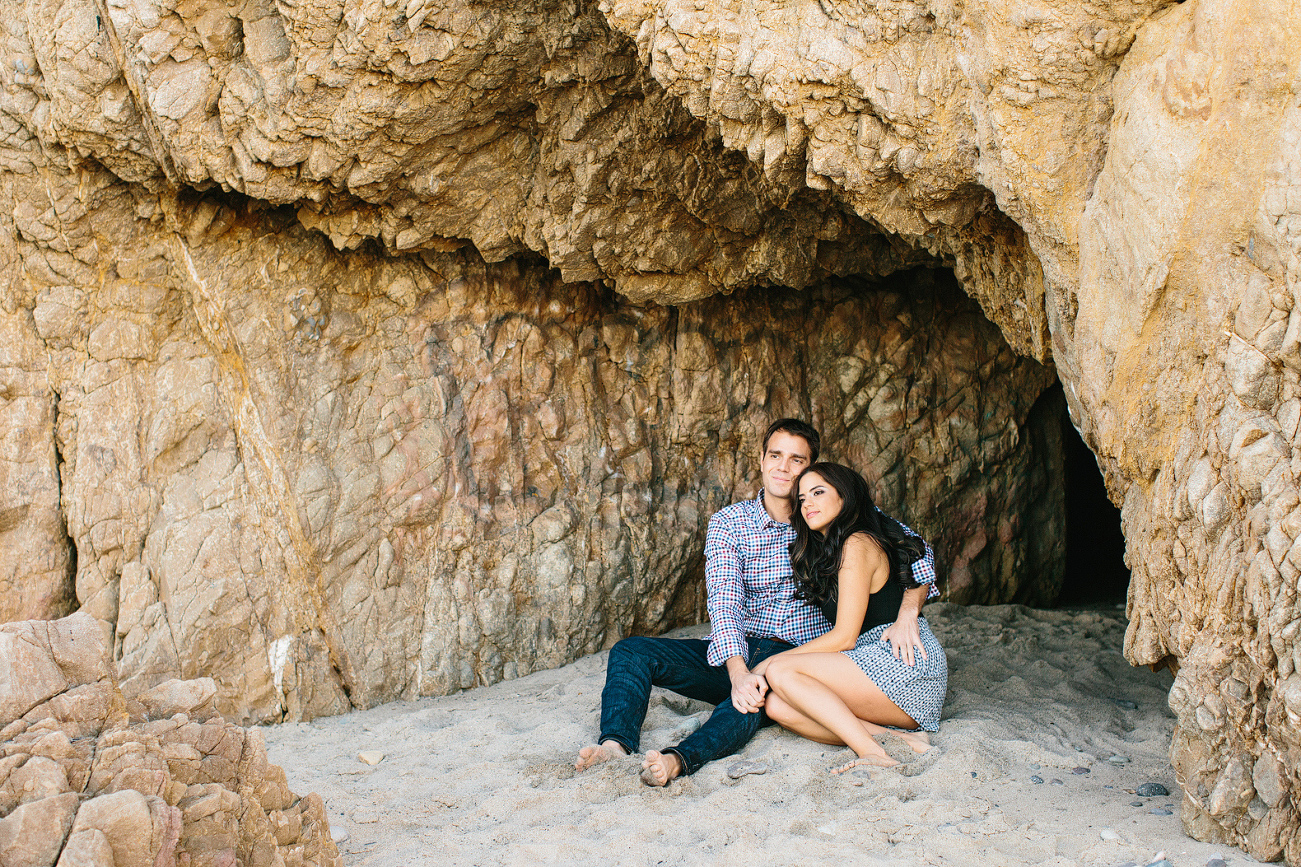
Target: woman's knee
(777,709)
(778,673)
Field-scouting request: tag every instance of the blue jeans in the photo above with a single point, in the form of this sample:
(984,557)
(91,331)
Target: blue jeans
(680,665)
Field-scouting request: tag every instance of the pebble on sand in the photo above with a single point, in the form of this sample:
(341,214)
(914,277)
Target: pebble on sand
(1108,834)
(1151,790)
(740,769)
(1036,779)
(1078,771)
(370,757)
(1119,760)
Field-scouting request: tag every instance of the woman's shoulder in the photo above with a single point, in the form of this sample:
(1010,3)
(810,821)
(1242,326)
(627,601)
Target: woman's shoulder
(860,544)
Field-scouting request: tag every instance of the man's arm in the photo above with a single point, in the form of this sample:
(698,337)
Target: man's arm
(725,595)
(903,634)
(924,568)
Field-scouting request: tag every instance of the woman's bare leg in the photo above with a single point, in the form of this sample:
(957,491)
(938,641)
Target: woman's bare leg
(831,691)
(789,718)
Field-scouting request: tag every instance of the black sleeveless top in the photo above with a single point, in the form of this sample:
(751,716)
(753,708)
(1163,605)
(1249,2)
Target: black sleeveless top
(882,606)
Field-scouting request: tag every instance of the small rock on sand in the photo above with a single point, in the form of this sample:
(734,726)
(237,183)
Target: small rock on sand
(1151,790)
(370,757)
(1108,834)
(687,728)
(740,769)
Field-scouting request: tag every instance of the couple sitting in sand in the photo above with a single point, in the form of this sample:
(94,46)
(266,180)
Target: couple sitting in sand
(814,601)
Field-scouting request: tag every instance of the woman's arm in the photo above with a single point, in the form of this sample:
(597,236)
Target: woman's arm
(864,569)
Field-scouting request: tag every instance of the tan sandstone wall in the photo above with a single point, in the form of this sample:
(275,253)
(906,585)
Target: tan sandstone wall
(1112,182)
(1154,180)
(330,479)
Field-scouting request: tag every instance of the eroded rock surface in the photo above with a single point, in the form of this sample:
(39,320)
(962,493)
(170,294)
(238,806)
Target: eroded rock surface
(329,479)
(1148,153)
(89,779)
(1113,183)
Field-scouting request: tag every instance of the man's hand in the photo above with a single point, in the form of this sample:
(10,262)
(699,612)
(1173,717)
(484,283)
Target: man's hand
(903,634)
(748,688)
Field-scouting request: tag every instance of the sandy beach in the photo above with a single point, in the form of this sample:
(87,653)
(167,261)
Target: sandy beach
(1048,733)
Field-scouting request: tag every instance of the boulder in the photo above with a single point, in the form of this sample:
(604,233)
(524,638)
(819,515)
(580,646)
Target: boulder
(82,783)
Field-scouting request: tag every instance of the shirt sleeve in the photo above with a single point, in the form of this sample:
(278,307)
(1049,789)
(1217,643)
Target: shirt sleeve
(725,595)
(923,569)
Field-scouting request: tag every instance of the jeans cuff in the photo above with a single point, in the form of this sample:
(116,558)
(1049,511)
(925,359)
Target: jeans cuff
(687,770)
(623,742)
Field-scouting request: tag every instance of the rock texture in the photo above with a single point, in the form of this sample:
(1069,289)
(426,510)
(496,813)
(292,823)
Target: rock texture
(1148,153)
(329,479)
(88,779)
(214,421)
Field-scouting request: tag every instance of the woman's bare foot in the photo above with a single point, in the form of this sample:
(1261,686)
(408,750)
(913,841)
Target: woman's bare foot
(873,761)
(597,753)
(659,768)
(919,741)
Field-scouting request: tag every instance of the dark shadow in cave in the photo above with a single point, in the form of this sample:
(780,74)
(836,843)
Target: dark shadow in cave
(1096,573)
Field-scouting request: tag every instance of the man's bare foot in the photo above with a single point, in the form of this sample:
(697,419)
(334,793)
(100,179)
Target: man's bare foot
(659,768)
(597,753)
(873,761)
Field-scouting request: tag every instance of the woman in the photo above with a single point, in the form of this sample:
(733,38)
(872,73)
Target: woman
(846,685)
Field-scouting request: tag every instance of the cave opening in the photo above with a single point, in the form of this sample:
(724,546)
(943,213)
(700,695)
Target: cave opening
(1096,574)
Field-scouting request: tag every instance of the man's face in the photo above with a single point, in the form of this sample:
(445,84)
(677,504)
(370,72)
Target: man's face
(782,461)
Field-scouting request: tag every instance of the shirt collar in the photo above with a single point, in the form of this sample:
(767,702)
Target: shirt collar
(761,516)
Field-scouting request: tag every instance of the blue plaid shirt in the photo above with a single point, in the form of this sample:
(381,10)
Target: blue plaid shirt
(749,584)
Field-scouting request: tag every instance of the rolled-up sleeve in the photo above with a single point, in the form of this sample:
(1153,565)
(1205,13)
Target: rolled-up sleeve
(924,568)
(725,595)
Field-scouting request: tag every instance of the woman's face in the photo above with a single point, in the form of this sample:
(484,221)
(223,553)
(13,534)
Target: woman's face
(819,502)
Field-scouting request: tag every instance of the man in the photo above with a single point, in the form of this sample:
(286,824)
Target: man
(753,615)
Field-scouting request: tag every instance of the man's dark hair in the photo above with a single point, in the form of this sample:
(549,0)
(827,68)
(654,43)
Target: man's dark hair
(796,428)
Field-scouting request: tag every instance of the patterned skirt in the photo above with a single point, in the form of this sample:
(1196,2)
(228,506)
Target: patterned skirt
(918,689)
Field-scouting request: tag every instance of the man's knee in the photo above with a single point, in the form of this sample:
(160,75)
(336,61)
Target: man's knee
(633,645)
(634,652)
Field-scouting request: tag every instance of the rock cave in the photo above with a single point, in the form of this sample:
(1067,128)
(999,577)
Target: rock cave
(360,350)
